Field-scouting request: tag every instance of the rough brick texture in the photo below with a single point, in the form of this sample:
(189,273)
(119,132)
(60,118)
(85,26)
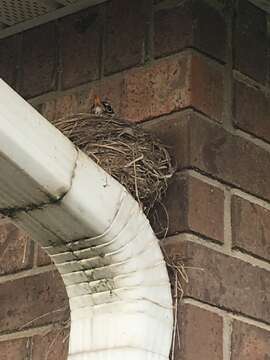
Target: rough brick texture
(81,101)
(32,301)
(16,249)
(207,87)
(125,39)
(200,144)
(160,89)
(251,110)
(249,342)
(49,345)
(139,94)
(169,85)
(42,257)
(15,349)
(224,281)
(250,37)
(53,345)
(9,59)
(190,24)
(80,47)
(251,227)
(39,61)
(200,327)
(195,206)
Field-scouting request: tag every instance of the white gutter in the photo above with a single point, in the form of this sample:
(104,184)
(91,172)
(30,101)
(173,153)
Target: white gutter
(95,232)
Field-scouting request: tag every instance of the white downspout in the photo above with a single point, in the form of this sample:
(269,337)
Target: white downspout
(95,232)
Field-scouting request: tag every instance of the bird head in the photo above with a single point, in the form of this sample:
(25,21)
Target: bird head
(101,107)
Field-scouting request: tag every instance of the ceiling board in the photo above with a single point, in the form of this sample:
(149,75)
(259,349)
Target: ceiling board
(17,16)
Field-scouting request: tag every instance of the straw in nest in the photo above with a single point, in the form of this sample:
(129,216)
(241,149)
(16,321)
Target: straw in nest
(134,157)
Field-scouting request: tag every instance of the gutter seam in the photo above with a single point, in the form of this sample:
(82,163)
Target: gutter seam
(12,212)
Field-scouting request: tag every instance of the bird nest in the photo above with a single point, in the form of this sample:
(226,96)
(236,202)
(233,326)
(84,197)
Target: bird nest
(138,160)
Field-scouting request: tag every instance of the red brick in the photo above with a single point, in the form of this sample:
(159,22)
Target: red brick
(126,27)
(190,24)
(200,327)
(135,95)
(195,206)
(159,89)
(32,301)
(207,87)
(51,346)
(200,144)
(146,92)
(15,349)
(60,107)
(251,111)
(171,84)
(80,47)
(250,227)
(250,41)
(110,88)
(249,342)
(9,59)
(224,281)
(42,257)
(16,249)
(39,61)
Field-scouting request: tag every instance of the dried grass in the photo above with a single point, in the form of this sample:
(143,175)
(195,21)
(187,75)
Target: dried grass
(134,157)
(178,276)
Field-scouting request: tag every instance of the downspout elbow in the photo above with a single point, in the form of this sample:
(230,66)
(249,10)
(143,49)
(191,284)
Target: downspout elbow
(96,234)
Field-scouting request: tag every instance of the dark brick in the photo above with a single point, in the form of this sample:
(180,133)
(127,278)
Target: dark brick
(222,280)
(209,30)
(251,111)
(53,345)
(198,143)
(196,206)
(9,59)
(39,61)
(207,87)
(173,29)
(190,24)
(32,301)
(81,47)
(16,249)
(200,327)
(15,349)
(250,41)
(42,257)
(125,32)
(249,342)
(251,227)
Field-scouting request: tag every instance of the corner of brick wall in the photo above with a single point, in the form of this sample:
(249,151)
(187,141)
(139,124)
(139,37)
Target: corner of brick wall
(198,76)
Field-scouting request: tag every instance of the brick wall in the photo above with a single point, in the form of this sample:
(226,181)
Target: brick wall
(198,75)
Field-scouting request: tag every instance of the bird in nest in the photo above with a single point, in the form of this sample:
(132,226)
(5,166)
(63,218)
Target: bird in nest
(136,158)
(102,108)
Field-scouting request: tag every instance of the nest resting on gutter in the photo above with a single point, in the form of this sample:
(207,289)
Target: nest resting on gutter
(134,157)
